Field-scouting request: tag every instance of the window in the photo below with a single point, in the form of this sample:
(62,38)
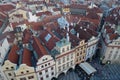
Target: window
(71,56)
(12,79)
(81,53)
(83,57)
(67,57)
(22,73)
(77,60)
(9,74)
(52,73)
(109,56)
(7,68)
(72,62)
(115,55)
(30,77)
(59,61)
(77,54)
(42,66)
(45,64)
(67,64)
(48,63)
(40,73)
(41,78)
(63,50)
(43,60)
(63,66)
(68,48)
(63,59)
(47,76)
(12,67)
(59,68)
(27,71)
(51,68)
(23,78)
(80,58)
(46,70)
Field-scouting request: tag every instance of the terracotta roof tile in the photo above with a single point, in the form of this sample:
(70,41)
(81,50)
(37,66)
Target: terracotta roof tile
(111,30)
(26,36)
(13,56)
(18,15)
(83,34)
(56,9)
(95,9)
(7,7)
(91,16)
(50,44)
(9,35)
(48,13)
(113,36)
(38,47)
(3,15)
(27,57)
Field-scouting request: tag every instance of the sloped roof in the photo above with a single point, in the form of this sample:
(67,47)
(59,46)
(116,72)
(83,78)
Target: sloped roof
(27,57)
(50,44)
(27,34)
(7,7)
(38,47)
(13,56)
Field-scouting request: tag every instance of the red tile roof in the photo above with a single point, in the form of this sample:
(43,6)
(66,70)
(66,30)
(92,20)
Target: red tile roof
(18,15)
(113,36)
(27,57)
(50,44)
(13,56)
(1,24)
(48,13)
(114,16)
(83,34)
(111,30)
(56,9)
(38,47)
(7,7)
(26,36)
(95,21)
(95,10)
(91,16)
(3,15)
(9,35)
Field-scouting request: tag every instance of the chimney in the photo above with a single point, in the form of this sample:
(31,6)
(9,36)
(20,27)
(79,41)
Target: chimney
(80,27)
(68,29)
(78,35)
(68,38)
(84,29)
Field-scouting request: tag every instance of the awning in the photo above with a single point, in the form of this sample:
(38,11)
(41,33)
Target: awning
(87,68)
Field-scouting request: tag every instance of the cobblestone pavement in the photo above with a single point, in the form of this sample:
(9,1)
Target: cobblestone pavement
(106,72)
